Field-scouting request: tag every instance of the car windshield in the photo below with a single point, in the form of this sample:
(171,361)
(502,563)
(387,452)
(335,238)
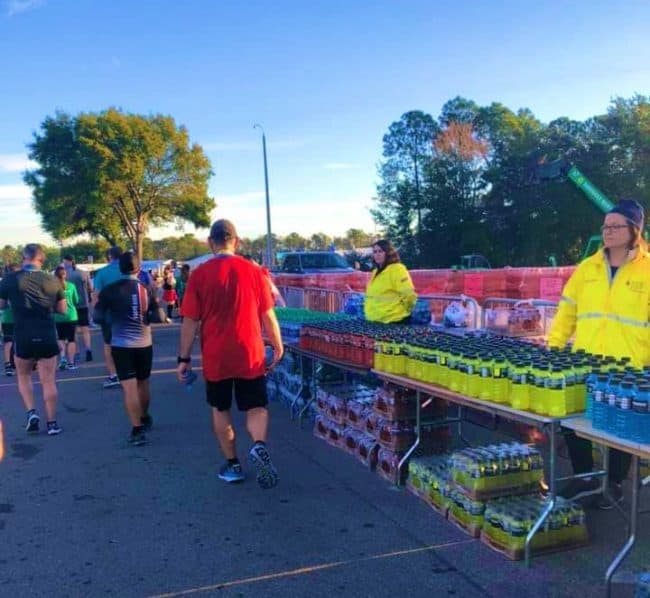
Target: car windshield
(323,260)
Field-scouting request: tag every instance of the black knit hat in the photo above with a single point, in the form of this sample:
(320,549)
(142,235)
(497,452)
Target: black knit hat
(631,210)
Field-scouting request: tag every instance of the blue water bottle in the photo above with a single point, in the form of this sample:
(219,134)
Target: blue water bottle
(623,414)
(189,377)
(599,414)
(611,393)
(591,382)
(641,414)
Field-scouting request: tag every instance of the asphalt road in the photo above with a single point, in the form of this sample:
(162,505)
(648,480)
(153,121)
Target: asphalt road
(83,514)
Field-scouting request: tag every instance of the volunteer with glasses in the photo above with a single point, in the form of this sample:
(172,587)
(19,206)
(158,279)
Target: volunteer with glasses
(390,296)
(605,306)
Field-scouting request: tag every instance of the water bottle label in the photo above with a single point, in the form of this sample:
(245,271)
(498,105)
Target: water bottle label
(611,399)
(485,372)
(599,396)
(470,369)
(497,372)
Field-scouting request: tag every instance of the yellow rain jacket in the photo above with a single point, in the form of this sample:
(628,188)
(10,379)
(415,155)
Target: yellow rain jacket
(390,296)
(609,316)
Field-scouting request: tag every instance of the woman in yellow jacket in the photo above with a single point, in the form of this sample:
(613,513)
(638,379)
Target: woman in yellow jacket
(605,305)
(390,296)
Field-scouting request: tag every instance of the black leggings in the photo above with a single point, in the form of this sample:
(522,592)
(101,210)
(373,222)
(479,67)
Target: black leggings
(170,310)
(580,451)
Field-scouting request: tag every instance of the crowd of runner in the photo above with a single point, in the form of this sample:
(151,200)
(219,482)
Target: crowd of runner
(227,301)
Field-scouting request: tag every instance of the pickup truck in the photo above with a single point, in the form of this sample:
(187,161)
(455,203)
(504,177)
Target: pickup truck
(310,262)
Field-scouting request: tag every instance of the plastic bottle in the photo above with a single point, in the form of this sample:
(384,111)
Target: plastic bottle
(591,382)
(613,389)
(600,405)
(519,389)
(623,415)
(486,385)
(557,391)
(641,414)
(500,381)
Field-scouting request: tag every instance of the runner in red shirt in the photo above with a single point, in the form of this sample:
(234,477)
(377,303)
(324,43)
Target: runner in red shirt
(231,299)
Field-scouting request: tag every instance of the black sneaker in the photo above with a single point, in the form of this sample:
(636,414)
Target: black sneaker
(33,423)
(231,473)
(137,439)
(267,476)
(146,421)
(53,429)
(580,488)
(89,355)
(63,364)
(9,369)
(111,382)
(615,492)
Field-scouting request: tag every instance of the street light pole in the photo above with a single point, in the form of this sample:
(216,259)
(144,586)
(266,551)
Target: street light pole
(269,244)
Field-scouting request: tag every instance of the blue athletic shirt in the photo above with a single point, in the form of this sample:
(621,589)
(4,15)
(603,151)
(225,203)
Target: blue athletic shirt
(127,301)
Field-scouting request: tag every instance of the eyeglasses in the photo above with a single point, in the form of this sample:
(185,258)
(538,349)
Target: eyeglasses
(606,228)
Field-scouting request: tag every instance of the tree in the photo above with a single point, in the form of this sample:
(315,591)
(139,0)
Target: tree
(320,241)
(358,238)
(294,241)
(406,151)
(115,175)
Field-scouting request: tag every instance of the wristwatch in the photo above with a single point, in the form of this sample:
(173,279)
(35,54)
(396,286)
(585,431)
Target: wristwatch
(180,359)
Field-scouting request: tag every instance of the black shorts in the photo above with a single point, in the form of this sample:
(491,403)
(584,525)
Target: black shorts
(35,348)
(107,333)
(65,331)
(132,362)
(7,333)
(249,394)
(82,316)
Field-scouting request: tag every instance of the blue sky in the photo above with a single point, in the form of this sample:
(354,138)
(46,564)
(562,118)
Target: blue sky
(325,78)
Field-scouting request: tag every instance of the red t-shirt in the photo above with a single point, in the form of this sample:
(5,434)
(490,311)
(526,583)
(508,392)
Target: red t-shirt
(229,294)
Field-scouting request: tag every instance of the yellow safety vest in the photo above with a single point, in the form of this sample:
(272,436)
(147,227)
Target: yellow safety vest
(608,316)
(390,295)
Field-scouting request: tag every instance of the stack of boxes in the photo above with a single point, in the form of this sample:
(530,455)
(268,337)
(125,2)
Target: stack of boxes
(377,426)
(492,493)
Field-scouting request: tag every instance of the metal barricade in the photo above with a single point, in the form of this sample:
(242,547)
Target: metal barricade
(293,296)
(323,300)
(518,317)
(439,303)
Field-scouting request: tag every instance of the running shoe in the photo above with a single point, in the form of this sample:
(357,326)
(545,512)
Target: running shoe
(137,438)
(9,369)
(33,422)
(231,473)
(146,421)
(53,428)
(89,355)
(112,382)
(72,366)
(267,476)
(63,364)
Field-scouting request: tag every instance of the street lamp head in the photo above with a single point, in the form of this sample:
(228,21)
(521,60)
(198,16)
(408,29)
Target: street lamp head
(258,126)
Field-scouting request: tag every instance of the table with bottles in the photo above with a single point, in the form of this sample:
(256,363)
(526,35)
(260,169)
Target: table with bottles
(584,428)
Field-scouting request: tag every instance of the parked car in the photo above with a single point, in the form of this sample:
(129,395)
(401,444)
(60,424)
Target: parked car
(309,262)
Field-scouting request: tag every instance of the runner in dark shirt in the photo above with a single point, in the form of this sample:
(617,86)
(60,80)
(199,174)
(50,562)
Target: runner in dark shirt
(34,296)
(127,302)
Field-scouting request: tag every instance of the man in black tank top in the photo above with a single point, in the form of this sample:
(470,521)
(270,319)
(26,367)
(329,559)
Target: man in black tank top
(34,296)
(127,300)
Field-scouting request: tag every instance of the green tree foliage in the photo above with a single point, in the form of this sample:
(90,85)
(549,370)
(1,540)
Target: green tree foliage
(407,150)
(476,192)
(114,175)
